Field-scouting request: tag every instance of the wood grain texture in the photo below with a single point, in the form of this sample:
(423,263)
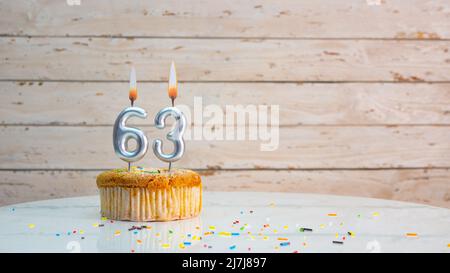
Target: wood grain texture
(414,19)
(78,103)
(429,187)
(299,147)
(106,59)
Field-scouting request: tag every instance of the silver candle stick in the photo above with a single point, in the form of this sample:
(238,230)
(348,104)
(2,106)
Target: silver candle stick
(176,134)
(122,133)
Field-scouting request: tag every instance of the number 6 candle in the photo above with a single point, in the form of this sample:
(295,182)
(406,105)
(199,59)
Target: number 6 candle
(123,133)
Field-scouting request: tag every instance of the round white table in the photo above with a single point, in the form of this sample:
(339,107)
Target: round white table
(232,222)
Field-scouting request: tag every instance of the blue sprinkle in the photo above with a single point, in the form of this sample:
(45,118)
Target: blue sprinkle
(135,232)
(189,235)
(57,234)
(285,244)
(235,234)
(68,233)
(232,247)
(187,243)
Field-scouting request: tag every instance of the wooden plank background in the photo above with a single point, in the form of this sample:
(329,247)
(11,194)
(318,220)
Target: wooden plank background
(363,88)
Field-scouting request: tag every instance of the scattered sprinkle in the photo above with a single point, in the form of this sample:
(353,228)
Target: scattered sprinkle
(332,214)
(187,243)
(165,245)
(282,239)
(411,234)
(232,247)
(285,243)
(31,226)
(305,229)
(212,227)
(117,233)
(139,242)
(104,218)
(376,214)
(338,242)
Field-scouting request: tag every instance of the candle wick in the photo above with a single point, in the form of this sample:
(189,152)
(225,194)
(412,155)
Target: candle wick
(129,166)
(173,102)
(132,103)
(170,166)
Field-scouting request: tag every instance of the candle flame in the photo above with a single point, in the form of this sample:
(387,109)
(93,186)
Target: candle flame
(173,89)
(133,85)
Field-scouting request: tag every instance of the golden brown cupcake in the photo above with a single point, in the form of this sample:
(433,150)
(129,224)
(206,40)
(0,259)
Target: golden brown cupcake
(149,194)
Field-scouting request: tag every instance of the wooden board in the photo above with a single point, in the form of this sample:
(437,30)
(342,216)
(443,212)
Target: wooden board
(299,147)
(421,186)
(105,59)
(44,103)
(412,19)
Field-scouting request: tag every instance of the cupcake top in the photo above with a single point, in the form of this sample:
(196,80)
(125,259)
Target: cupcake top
(154,178)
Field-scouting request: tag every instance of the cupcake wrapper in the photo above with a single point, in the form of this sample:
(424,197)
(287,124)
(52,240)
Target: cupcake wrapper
(144,204)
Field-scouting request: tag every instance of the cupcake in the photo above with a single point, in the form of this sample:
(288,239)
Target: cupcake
(149,194)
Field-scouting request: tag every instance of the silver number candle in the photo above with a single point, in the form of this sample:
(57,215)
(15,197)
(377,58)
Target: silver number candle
(122,134)
(175,135)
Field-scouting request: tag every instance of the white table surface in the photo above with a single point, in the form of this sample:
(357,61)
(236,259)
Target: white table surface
(74,225)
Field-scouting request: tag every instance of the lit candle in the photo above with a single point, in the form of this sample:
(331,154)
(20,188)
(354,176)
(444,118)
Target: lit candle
(123,133)
(176,134)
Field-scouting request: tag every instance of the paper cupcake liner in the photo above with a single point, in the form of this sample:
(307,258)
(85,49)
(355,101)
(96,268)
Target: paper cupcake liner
(144,204)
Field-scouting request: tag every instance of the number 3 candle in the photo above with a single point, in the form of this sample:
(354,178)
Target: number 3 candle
(176,134)
(123,133)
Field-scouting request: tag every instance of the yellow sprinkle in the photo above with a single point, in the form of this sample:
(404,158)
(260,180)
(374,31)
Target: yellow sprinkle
(157,234)
(223,233)
(31,225)
(376,214)
(332,214)
(275,231)
(286,227)
(81,231)
(117,233)
(148,227)
(212,227)
(352,234)
(265,238)
(104,218)
(139,242)
(165,245)
(95,225)
(277,247)
(322,226)
(181,245)
(252,237)
(337,235)
(282,239)
(411,234)
(448,245)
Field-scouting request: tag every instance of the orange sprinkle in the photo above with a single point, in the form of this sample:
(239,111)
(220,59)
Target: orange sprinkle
(332,214)
(282,239)
(411,234)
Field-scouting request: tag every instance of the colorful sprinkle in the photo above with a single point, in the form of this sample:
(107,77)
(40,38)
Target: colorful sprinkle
(212,227)
(338,242)
(332,214)
(165,245)
(139,242)
(285,243)
(117,233)
(282,239)
(411,234)
(187,243)
(232,247)
(31,226)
